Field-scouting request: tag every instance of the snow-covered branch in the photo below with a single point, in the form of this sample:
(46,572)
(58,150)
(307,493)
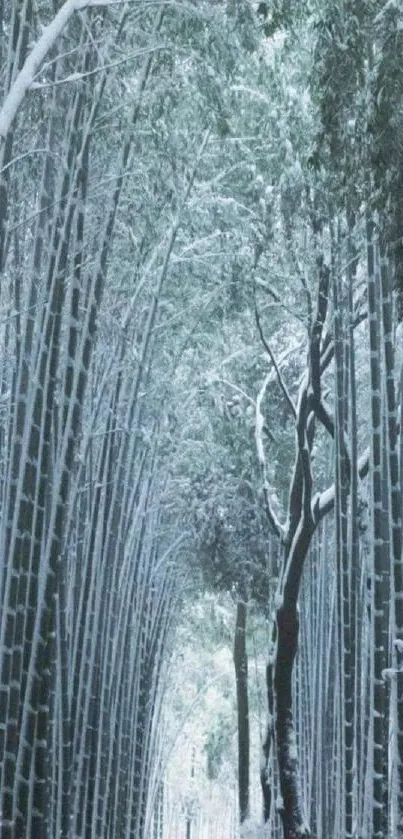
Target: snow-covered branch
(79,77)
(323,502)
(272,357)
(268,289)
(259,426)
(34,60)
(317,328)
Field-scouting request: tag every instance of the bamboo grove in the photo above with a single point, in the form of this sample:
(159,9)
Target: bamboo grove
(188,188)
(85,615)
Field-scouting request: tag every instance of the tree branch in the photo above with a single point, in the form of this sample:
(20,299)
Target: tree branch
(320,354)
(277,299)
(304,455)
(323,502)
(317,328)
(323,414)
(34,60)
(259,428)
(275,365)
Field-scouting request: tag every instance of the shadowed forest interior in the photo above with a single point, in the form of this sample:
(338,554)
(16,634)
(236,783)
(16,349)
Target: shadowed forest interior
(201,391)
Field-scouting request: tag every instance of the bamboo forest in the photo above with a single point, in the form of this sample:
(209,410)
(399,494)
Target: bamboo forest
(201,393)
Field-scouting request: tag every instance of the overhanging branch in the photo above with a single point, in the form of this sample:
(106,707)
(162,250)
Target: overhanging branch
(34,60)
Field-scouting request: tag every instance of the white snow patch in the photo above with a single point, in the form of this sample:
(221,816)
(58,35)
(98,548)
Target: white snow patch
(278,600)
(249,830)
(388,674)
(293,751)
(259,831)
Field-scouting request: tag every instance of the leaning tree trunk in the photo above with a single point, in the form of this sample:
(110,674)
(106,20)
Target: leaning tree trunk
(287,620)
(305,511)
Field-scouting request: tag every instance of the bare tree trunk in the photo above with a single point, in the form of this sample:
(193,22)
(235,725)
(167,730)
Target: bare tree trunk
(241,677)
(266,772)
(380,554)
(394,499)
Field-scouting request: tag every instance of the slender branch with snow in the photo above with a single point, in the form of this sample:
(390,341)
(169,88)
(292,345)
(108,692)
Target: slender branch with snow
(44,44)
(272,357)
(259,427)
